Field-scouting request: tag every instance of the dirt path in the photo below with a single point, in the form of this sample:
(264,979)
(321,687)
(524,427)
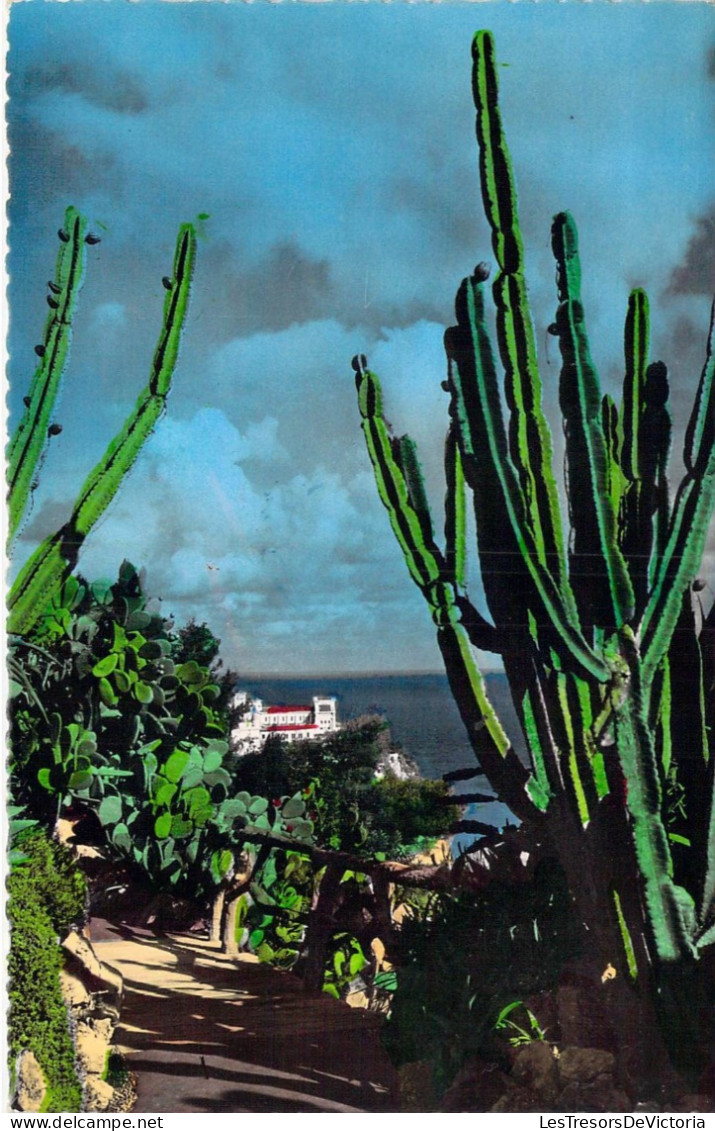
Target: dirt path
(204,1033)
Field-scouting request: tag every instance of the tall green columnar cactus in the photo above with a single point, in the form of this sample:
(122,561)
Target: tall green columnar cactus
(29,441)
(586,629)
(52,562)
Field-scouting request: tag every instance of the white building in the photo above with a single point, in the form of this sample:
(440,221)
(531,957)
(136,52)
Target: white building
(292,724)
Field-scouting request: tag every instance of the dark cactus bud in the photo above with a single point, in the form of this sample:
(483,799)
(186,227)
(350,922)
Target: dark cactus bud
(481,272)
(54,430)
(699,585)
(52,302)
(91,239)
(166,282)
(552,328)
(359,362)
(40,350)
(54,288)
(64,236)
(26,402)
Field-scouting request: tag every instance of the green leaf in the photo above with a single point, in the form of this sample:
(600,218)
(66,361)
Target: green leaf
(80,779)
(176,765)
(106,666)
(121,837)
(181,827)
(162,826)
(164,791)
(258,805)
(232,808)
(110,811)
(212,761)
(107,693)
(294,807)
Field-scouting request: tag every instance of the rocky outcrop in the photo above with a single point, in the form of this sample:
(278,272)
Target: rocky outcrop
(542,1078)
(30,1086)
(93,993)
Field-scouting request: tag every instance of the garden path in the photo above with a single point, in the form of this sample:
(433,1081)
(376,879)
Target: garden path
(206,1033)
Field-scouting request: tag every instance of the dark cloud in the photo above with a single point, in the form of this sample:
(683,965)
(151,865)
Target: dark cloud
(286,287)
(49,518)
(117,90)
(696,274)
(46,167)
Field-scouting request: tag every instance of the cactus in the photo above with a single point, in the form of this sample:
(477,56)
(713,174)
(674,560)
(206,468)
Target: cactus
(53,561)
(28,443)
(587,633)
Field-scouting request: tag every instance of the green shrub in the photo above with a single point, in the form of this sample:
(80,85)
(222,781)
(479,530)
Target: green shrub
(408,813)
(453,981)
(47,895)
(351,811)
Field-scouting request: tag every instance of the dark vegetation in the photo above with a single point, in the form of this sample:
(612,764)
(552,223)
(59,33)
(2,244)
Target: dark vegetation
(453,980)
(47,896)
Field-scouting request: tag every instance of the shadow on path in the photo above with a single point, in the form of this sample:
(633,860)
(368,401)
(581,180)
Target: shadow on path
(203,1032)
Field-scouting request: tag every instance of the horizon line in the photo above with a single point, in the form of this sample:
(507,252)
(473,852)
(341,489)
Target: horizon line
(353,674)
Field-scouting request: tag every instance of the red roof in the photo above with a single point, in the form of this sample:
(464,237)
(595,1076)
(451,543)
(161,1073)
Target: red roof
(292,726)
(283,710)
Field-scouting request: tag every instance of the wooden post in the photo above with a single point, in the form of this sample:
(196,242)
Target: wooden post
(321,926)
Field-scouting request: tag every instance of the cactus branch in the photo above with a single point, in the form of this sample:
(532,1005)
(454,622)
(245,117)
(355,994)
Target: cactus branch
(692,512)
(56,557)
(589,498)
(530,438)
(28,443)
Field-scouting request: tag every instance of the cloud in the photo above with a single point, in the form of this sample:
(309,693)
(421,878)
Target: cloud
(118,90)
(219,547)
(341,179)
(286,286)
(695,275)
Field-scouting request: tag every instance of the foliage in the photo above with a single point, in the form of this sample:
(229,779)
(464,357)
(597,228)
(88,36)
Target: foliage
(342,766)
(598,632)
(105,720)
(407,814)
(452,980)
(52,563)
(345,962)
(523,1034)
(197,642)
(351,810)
(47,896)
(281,894)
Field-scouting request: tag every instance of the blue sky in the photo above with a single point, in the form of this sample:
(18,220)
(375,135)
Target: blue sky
(332,146)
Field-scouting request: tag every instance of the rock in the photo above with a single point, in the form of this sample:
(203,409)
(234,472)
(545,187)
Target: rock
(520,1099)
(30,1087)
(91,1048)
(98,1095)
(103,982)
(597,1095)
(477,1087)
(535,1067)
(695,1102)
(74,991)
(583,1065)
(583,1014)
(416,1087)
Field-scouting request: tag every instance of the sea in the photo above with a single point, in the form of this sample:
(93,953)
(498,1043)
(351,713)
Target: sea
(422,716)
